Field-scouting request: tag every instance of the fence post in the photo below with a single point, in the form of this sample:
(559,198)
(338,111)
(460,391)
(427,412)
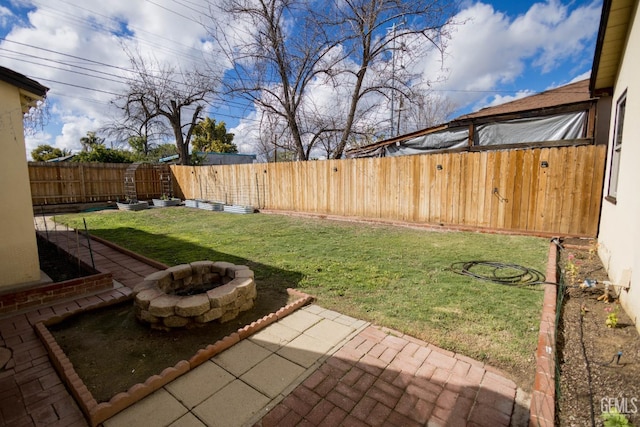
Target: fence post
(83,190)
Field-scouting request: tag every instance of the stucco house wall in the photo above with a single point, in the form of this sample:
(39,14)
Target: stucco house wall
(18,248)
(619,234)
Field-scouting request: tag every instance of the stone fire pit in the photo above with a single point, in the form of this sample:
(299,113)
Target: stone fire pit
(193,294)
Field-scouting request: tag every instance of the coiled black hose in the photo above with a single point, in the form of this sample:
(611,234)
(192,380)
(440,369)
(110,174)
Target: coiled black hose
(498,272)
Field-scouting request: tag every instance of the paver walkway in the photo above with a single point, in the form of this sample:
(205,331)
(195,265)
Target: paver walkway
(314,367)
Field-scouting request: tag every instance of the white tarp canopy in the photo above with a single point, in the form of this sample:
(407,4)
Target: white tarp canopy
(534,129)
(448,138)
(555,127)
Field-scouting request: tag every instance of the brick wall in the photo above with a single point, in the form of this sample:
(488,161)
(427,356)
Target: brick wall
(46,294)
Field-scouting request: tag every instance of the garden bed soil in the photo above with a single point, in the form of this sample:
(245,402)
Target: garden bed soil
(56,265)
(111,351)
(591,379)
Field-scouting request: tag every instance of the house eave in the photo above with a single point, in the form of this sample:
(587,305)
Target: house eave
(615,21)
(30,90)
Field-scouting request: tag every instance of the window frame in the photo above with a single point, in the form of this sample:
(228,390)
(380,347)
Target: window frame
(616,148)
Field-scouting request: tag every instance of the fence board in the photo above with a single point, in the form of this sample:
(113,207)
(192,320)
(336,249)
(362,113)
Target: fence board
(562,199)
(63,183)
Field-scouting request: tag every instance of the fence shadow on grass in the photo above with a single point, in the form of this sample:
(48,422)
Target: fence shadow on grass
(173,251)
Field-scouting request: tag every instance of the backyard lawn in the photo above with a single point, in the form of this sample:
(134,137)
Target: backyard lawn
(394,277)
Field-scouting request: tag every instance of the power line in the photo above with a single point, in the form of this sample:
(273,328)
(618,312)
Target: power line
(67,55)
(74,85)
(87,60)
(117,23)
(173,11)
(63,69)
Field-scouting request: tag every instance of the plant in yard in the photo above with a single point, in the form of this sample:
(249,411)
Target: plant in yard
(583,310)
(612,319)
(613,418)
(572,268)
(593,248)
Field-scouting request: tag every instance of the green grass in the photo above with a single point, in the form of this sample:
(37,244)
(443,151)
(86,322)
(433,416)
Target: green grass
(394,277)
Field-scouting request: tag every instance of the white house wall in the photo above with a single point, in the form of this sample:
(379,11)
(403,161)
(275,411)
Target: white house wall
(18,248)
(619,235)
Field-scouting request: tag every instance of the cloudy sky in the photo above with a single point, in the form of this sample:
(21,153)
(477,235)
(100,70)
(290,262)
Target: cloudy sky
(505,50)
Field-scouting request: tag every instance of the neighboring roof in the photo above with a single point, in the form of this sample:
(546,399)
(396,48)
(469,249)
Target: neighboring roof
(168,158)
(30,90)
(568,97)
(610,45)
(567,94)
(61,159)
(203,153)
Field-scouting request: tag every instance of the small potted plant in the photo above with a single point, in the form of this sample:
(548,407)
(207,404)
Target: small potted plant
(165,201)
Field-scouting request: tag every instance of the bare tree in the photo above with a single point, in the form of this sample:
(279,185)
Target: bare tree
(279,49)
(425,110)
(161,92)
(150,130)
(37,117)
(274,139)
(271,68)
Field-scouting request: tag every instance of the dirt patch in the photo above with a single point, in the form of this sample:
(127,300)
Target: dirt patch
(111,351)
(57,266)
(591,378)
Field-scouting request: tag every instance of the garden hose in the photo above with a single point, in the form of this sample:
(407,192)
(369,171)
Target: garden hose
(501,273)
(617,356)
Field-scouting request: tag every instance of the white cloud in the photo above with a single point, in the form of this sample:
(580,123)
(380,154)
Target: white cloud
(583,76)
(503,99)
(54,39)
(490,50)
(33,141)
(74,128)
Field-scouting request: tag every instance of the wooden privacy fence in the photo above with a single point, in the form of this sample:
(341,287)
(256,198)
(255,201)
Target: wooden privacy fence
(61,183)
(538,190)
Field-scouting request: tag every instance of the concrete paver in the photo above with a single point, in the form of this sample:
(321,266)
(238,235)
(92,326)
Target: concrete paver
(158,409)
(241,357)
(329,331)
(305,350)
(200,383)
(273,375)
(274,337)
(300,320)
(188,420)
(233,405)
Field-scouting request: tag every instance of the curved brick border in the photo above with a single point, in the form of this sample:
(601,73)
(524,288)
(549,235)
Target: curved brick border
(96,412)
(542,409)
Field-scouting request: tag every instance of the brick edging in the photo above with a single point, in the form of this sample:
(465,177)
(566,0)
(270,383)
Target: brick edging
(131,253)
(29,298)
(95,412)
(542,409)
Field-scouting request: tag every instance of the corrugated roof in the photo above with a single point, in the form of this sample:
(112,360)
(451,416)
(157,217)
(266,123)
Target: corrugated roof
(567,94)
(573,93)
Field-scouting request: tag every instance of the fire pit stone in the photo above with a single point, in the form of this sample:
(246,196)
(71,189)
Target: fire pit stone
(188,295)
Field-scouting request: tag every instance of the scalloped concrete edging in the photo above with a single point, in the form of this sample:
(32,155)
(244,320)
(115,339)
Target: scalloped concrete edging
(95,412)
(542,409)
